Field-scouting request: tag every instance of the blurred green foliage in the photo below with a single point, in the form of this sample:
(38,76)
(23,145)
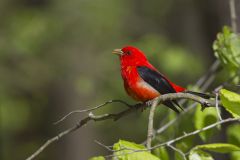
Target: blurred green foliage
(169,57)
(231,102)
(234,138)
(199,154)
(203,119)
(161,152)
(56,56)
(122,148)
(227,49)
(97,158)
(218,147)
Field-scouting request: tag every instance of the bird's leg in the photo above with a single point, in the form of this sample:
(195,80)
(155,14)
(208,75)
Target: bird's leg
(141,106)
(148,103)
(145,105)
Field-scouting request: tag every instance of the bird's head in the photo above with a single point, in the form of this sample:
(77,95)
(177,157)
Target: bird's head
(130,56)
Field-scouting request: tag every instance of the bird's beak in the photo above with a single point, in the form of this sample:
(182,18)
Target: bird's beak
(117,51)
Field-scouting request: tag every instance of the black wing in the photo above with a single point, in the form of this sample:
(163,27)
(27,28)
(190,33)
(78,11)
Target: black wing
(160,83)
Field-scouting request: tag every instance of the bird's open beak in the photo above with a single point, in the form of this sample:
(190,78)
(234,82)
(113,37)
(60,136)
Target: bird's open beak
(117,51)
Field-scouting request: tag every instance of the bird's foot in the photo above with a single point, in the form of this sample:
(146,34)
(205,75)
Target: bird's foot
(148,103)
(204,105)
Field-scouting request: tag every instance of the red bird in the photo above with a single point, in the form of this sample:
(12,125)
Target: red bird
(142,81)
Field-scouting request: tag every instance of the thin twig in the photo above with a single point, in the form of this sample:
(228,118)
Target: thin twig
(233,15)
(196,132)
(50,141)
(104,146)
(178,150)
(208,82)
(184,136)
(109,148)
(217,107)
(150,123)
(91,109)
(79,125)
(182,95)
(91,117)
(167,125)
(211,72)
(204,82)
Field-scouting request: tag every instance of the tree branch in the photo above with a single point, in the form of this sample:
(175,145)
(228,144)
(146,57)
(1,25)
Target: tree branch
(204,82)
(167,125)
(186,135)
(109,148)
(150,123)
(178,150)
(217,107)
(92,117)
(233,15)
(92,109)
(210,74)
(196,132)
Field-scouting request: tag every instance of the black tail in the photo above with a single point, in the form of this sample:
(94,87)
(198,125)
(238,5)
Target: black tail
(203,95)
(173,105)
(177,108)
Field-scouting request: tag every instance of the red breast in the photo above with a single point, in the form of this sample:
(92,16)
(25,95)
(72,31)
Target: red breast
(135,86)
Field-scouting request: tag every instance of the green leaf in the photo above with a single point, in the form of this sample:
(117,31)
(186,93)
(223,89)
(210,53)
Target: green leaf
(97,158)
(234,138)
(161,153)
(125,150)
(233,134)
(235,155)
(231,102)
(219,147)
(227,49)
(203,119)
(199,155)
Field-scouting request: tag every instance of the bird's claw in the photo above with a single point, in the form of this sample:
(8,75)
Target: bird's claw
(148,103)
(141,106)
(205,104)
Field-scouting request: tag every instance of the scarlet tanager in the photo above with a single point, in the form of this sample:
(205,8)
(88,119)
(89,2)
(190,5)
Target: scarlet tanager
(142,81)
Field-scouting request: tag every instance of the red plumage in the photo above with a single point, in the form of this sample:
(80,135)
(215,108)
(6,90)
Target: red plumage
(135,85)
(142,81)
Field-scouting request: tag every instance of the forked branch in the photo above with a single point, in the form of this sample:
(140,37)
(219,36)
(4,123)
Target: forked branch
(116,116)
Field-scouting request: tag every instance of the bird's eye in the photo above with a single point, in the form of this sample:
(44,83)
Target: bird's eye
(128,52)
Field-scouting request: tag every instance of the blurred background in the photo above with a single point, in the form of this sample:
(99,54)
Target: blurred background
(55,57)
